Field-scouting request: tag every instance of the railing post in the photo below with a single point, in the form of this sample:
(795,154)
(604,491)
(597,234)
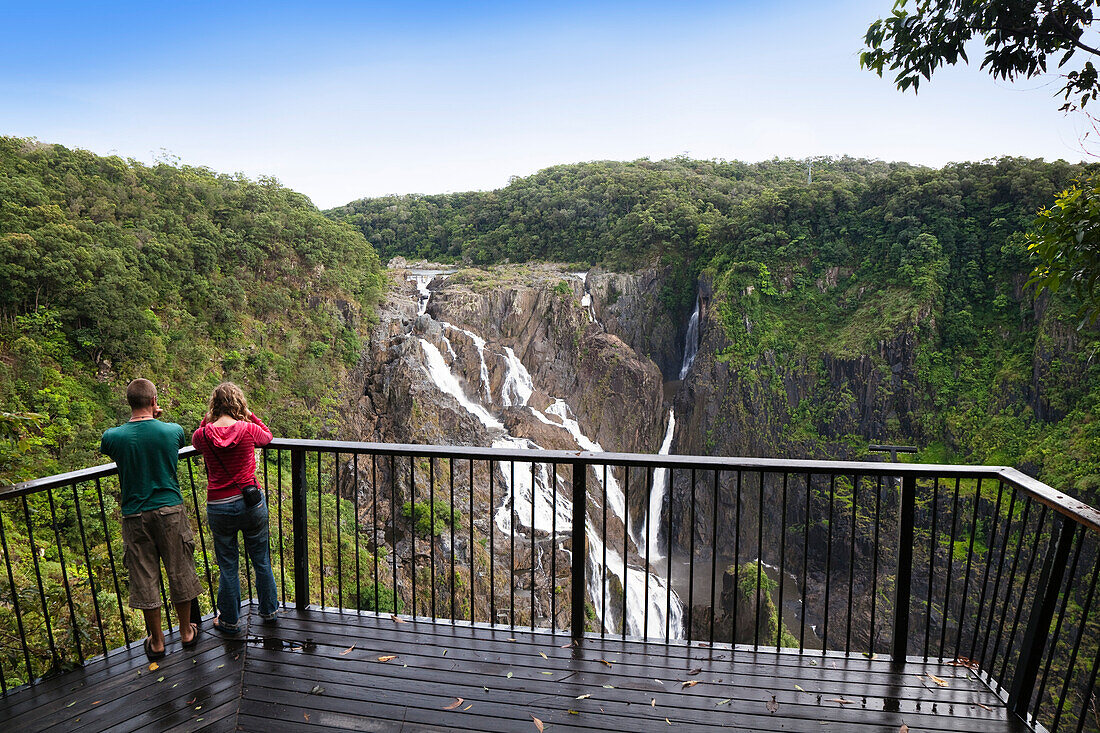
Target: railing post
(1038,622)
(904,577)
(301,533)
(580,549)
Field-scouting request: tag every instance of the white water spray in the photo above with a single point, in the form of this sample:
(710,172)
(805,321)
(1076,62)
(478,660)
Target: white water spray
(691,341)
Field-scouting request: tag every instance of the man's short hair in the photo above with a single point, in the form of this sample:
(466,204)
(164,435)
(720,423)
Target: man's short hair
(140,393)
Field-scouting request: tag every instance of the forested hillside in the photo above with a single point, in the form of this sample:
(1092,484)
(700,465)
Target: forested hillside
(809,272)
(113,270)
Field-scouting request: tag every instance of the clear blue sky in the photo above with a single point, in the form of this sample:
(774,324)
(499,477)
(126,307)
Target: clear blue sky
(341,100)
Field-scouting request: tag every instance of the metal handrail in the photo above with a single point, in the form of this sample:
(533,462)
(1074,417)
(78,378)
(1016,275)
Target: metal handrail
(1060,502)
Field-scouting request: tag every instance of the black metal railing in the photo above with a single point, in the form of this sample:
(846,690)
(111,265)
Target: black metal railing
(983,567)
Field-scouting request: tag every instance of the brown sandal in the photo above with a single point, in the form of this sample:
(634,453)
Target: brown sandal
(194,638)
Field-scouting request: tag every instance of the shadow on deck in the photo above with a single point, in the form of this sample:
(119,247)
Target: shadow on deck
(323,670)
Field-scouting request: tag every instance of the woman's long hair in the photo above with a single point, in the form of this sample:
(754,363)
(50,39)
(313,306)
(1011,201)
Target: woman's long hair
(228,400)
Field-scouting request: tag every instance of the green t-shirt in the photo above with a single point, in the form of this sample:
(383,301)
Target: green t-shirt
(146,452)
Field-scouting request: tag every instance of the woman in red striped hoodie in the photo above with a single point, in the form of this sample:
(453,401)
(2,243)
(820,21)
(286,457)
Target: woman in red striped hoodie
(227,438)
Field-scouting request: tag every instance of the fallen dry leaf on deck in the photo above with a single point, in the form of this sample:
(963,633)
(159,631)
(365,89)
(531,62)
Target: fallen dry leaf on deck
(154,667)
(984,707)
(467,707)
(604,661)
(841,700)
(538,723)
(799,688)
(347,650)
(192,700)
(306,716)
(444,653)
(937,680)
(668,721)
(584,696)
(317,690)
(509,675)
(387,657)
(772,705)
(397,620)
(689,683)
(458,701)
(541,654)
(653,702)
(723,702)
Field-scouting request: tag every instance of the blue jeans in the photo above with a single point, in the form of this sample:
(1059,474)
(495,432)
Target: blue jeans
(226,520)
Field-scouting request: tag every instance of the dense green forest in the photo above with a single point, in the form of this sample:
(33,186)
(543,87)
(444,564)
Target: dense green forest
(114,270)
(938,251)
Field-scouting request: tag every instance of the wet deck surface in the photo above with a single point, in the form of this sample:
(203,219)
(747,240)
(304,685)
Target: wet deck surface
(325,671)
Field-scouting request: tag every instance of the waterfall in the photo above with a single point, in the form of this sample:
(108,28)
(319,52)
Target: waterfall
(651,529)
(447,382)
(691,341)
(529,490)
(586,299)
(424,294)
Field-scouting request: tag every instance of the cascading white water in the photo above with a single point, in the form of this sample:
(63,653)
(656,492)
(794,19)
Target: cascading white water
(424,294)
(652,527)
(445,379)
(525,490)
(479,343)
(691,341)
(586,299)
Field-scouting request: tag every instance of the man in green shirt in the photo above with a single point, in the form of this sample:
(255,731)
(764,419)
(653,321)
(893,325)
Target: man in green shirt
(155,526)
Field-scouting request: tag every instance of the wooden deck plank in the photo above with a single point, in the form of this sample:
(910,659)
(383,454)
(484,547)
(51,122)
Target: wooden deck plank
(324,664)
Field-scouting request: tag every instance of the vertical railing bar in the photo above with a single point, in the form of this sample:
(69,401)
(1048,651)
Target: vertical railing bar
(579,560)
(997,580)
(1089,688)
(65,577)
(412,531)
(320,540)
(554,549)
(355,509)
(1024,587)
(512,544)
(603,567)
(714,556)
(38,575)
(374,531)
(691,563)
(736,564)
(202,533)
(759,559)
(393,529)
(15,599)
(851,563)
(164,602)
(990,546)
(111,558)
(626,537)
(782,563)
(668,556)
(1009,587)
(648,522)
(950,565)
(874,565)
(533,624)
(299,527)
(88,568)
(1042,611)
(451,481)
(473,563)
(339,535)
(904,573)
(1058,626)
(282,543)
(431,540)
(828,564)
(932,542)
(492,545)
(805,563)
(966,576)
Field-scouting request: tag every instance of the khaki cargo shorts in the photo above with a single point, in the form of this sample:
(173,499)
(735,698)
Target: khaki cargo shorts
(155,535)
